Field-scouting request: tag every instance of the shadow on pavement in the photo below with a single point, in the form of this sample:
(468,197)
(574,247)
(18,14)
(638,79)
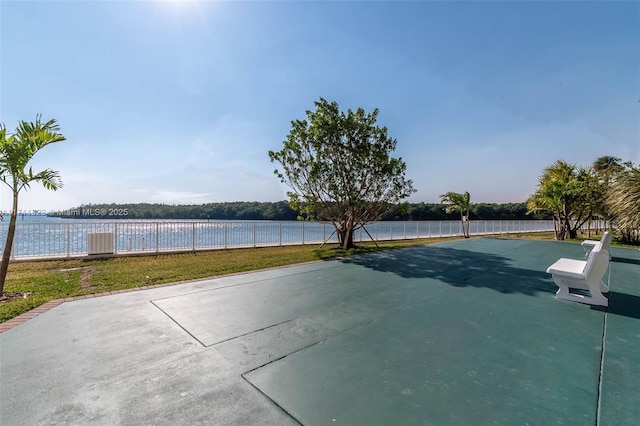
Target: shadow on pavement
(623,304)
(625,260)
(460,268)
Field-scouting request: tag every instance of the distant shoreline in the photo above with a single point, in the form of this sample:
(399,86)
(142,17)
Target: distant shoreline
(280,210)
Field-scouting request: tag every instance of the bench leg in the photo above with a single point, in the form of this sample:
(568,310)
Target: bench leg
(564,284)
(596,290)
(582,285)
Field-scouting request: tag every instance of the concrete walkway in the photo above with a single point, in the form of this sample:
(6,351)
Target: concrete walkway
(467,332)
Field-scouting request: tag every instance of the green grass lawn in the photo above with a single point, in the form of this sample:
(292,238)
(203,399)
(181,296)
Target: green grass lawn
(42,281)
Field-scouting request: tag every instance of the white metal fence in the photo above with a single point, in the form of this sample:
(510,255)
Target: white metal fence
(62,239)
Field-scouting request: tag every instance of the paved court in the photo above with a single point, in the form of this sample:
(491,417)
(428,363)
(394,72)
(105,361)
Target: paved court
(466,332)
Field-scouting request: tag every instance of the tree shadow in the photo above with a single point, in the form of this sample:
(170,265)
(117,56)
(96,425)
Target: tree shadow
(625,260)
(459,268)
(623,304)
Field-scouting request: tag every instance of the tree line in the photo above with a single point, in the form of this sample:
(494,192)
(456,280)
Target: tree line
(281,210)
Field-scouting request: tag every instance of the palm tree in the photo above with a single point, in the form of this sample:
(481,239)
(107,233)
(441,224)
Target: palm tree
(16,151)
(605,169)
(547,199)
(457,202)
(623,201)
(606,165)
(567,192)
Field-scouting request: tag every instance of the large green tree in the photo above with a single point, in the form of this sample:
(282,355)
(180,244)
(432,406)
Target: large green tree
(16,151)
(338,168)
(458,203)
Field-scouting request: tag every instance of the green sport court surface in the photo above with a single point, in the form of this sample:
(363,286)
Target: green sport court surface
(465,332)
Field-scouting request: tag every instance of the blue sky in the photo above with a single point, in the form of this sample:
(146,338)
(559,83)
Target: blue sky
(179,102)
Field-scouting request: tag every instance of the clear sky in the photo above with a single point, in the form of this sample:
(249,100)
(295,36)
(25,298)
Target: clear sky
(179,102)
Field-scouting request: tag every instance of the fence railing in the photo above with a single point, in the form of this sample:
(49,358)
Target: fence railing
(70,239)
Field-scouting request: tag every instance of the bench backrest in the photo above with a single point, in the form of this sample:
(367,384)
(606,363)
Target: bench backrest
(606,240)
(597,262)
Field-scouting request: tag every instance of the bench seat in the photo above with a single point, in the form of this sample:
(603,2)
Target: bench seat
(569,267)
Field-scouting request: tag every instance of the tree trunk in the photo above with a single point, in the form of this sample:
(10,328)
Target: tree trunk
(346,239)
(6,254)
(562,232)
(464,225)
(569,231)
(346,233)
(558,229)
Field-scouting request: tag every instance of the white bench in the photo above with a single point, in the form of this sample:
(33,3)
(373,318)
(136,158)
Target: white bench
(584,275)
(588,245)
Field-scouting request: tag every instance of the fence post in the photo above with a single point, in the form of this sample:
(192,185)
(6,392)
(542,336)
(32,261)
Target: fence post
(157,238)
(280,232)
(254,234)
(115,236)
(225,229)
(303,232)
(193,236)
(68,240)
